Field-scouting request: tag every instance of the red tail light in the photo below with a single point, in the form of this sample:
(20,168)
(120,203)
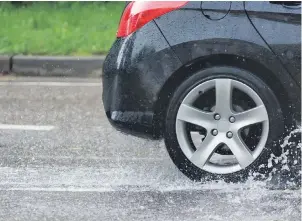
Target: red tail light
(139,13)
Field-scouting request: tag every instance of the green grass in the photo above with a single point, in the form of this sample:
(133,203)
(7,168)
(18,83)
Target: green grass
(61,28)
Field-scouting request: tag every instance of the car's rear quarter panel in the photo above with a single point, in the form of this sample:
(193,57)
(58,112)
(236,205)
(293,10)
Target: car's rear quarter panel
(229,41)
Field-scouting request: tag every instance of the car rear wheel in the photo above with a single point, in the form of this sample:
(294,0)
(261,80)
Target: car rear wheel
(222,123)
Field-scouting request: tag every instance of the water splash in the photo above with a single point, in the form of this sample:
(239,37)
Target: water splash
(287,167)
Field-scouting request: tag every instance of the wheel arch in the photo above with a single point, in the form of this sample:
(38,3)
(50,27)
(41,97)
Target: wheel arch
(274,80)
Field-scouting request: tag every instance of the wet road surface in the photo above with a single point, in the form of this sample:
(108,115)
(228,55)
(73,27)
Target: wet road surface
(61,160)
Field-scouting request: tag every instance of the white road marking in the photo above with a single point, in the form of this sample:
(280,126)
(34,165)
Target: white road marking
(57,84)
(26,127)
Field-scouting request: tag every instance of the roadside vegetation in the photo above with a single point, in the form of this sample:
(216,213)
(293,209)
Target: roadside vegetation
(58,28)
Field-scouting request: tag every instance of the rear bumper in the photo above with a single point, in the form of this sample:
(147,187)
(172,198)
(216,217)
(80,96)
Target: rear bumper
(124,102)
(134,72)
(135,123)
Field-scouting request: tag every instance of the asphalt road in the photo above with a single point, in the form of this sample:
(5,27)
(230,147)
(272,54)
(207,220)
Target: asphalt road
(61,160)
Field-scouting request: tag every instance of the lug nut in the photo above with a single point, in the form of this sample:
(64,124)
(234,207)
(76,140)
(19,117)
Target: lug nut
(232,119)
(229,134)
(217,117)
(214,132)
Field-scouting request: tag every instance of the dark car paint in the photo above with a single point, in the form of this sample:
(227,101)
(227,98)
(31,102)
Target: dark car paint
(142,70)
(270,19)
(133,73)
(216,10)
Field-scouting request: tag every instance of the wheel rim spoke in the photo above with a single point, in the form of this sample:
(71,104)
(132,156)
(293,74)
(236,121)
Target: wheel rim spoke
(242,153)
(250,117)
(223,88)
(204,152)
(195,116)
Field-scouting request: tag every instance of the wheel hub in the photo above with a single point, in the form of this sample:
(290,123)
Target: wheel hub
(223,126)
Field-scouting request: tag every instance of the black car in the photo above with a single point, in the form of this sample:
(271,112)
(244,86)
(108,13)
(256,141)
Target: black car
(219,81)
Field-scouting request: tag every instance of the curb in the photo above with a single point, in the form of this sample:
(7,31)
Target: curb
(53,66)
(5,64)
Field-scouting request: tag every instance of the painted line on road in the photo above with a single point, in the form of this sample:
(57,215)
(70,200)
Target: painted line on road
(57,84)
(26,127)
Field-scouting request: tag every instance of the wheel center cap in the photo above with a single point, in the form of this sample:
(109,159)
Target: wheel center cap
(223,126)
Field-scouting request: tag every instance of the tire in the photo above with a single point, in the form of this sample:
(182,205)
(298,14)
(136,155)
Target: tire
(275,121)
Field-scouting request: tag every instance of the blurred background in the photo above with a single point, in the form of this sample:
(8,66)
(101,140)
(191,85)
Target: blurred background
(58,28)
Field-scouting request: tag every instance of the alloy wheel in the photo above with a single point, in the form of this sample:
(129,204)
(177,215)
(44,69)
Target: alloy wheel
(224,126)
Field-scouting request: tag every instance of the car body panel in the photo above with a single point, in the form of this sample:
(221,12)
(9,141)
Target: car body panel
(281,28)
(215,10)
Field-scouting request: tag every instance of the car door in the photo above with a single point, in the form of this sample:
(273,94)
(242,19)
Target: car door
(279,24)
